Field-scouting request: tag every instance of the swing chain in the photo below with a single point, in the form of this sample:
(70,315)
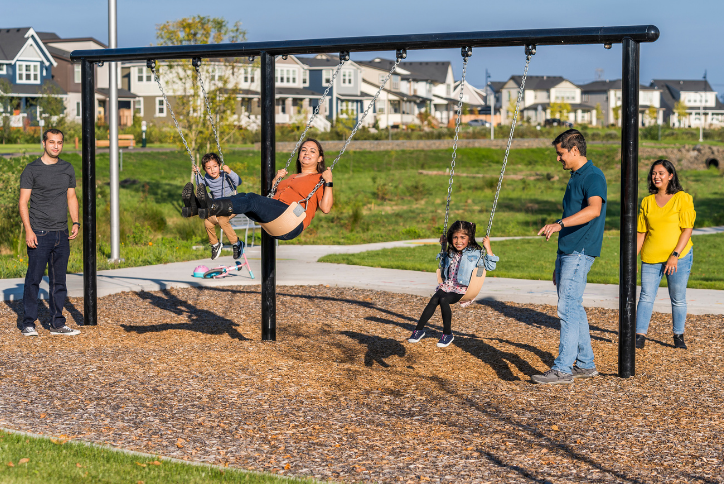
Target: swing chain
(151,64)
(342,60)
(529,52)
(466,52)
(359,123)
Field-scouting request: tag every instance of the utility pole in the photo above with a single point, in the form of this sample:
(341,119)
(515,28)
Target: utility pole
(113,134)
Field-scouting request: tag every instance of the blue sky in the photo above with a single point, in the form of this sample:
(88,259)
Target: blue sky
(689,42)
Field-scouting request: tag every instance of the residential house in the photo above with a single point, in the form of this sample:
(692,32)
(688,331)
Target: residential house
(540,92)
(27,66)
(68,76)
(607,94)
(701,101)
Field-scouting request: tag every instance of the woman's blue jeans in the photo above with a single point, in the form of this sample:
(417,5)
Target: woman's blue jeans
(651,275)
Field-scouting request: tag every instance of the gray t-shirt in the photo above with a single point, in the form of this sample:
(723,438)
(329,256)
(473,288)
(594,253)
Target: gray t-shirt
(49,196)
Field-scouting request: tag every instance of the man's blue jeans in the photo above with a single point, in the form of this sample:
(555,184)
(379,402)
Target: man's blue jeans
(651,275)
(53,250)
(575,346)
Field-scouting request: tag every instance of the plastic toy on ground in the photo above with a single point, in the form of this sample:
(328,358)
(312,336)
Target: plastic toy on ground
(223,271)
(199,271)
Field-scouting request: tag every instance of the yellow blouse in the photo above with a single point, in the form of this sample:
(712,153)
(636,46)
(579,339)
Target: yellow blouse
(663,226)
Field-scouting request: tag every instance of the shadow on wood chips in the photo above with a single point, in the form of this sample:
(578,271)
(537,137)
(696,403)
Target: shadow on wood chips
(343,396)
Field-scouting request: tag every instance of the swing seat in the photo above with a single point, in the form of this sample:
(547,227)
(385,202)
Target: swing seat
(286,222)
(476,283)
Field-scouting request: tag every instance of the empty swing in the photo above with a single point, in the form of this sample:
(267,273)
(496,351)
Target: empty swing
(478,277)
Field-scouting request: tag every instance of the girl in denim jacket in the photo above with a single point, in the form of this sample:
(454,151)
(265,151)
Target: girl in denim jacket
(461,259)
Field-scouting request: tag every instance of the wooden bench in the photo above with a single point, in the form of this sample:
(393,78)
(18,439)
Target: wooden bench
(124,141)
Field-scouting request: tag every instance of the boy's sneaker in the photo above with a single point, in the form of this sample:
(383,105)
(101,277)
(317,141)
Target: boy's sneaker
(29,331)
(202,200)
(553,377)
(189,200)
(238,249)
(417,335)
(64,330)
(445,340)
(584,372)
(216,250)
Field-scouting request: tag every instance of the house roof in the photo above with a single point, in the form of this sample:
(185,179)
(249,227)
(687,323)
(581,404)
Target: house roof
(605,85)
(683,84)
(435,71)
(34,90)
(542,83)
(497,85)
(384,65)
(319,62)
(55,52)
(48,36)
(11,41)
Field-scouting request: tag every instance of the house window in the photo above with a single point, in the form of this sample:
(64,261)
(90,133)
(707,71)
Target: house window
(77,109)
(246,75)
(160,107)
(586,98)
(138,107)
(346,77)
(285,76)
(305,78)
(380,107)
(567,95)
(395,82)
(3,69)
(76,73)
(218,73)
(395,107)
(28,73)
(347,108)
(448,90)
(327,76)
(144,74)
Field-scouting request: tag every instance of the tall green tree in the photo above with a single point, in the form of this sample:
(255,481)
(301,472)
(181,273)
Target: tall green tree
(219,77)
(653,113)
(680,108)
(560,109)
(51,105)
(7,104)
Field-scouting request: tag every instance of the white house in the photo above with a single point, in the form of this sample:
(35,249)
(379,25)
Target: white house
(608,94)
(701,101)
(540,92)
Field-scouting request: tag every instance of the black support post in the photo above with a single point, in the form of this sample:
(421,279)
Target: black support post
(88,105)
(268,165)
(629,201)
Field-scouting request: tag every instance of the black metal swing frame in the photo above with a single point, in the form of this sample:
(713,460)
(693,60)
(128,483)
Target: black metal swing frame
(629,36)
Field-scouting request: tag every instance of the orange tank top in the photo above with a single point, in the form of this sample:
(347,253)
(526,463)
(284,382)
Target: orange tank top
(296,188)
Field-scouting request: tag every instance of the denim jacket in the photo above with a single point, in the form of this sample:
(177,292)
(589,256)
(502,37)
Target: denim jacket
(468,262)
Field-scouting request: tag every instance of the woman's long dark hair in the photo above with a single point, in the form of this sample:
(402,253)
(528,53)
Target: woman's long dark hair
(461,226)
(674,186)
(320,165)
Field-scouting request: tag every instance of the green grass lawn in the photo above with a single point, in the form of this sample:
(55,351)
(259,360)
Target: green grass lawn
(379,196)
(534,259)
(50,461)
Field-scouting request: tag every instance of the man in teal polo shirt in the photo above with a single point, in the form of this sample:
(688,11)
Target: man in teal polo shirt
(579,243)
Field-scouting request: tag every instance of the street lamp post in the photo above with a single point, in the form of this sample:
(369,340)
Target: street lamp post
(143,134)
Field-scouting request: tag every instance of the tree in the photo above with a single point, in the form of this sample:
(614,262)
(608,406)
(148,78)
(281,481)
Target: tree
(51,105)
(597,112)
(218,76)
(653,113)
(7,104)
(560,109)
(681,110)
(616,113)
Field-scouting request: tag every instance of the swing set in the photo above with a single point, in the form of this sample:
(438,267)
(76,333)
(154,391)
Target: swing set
(629,36)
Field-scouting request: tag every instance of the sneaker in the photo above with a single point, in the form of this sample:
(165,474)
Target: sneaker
(216,250)
(29,331)
(238,249)
(64,330)
(201,200)
(584,372)
(679,342)
(445,340)
(553,377)
(417,335)
(640,341)
(189,200)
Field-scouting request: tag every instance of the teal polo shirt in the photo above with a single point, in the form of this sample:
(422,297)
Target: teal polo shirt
(586,182)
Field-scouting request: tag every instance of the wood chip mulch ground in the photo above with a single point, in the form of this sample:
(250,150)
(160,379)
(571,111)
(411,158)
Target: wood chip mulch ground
(343,396)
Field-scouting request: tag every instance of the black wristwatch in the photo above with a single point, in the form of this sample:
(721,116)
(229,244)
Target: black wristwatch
(675,254)
(328,184)
(560,222)
(76,223)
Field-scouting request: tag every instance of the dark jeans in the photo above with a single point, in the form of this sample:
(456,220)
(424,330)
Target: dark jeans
(53,250)
(262,209)
(444,300)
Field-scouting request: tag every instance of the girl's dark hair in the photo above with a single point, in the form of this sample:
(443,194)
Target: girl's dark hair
(461,226)
(320,164)
(674,186)
(210,157)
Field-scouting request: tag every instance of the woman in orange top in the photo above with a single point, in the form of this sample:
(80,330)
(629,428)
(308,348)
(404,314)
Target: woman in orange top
(310,169)
(664,231)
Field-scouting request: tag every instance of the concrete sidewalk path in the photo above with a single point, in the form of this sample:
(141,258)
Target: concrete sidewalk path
(297,265)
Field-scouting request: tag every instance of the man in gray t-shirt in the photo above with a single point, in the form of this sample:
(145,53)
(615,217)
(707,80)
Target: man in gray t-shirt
(48,185)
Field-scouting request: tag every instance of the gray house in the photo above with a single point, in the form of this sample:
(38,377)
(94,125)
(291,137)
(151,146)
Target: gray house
(607,94)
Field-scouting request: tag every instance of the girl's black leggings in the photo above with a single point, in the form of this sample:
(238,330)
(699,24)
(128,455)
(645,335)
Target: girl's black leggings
(262,209)
(444,300)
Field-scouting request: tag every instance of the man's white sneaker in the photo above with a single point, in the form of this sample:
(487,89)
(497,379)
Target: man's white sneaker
(65,331)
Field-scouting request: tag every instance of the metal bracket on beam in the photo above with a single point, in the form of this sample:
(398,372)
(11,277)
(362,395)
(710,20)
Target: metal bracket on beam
(530,49)
(401,54)
(344,56)
(151,64)
(196,62)
(100,63)
(466,52)
(607,46)
(285,57)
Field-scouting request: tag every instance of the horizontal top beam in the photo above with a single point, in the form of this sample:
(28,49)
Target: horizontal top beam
(500,38)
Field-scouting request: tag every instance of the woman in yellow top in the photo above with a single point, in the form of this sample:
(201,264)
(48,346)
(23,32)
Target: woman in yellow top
(664,231)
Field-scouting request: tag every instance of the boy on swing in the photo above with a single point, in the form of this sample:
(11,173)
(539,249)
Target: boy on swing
(220,185)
